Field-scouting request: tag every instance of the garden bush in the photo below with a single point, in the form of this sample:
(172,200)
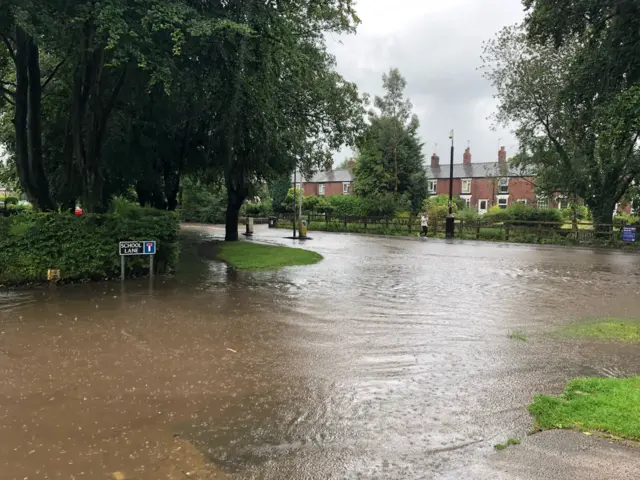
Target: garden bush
(83,247)
(9,200)
(624,219)
(202,204)
(522,214)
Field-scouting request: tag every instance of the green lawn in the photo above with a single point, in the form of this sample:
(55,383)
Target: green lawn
(623,330)
(245,255)
(608,405)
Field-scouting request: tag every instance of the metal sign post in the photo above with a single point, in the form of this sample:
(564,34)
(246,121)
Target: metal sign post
(134,248)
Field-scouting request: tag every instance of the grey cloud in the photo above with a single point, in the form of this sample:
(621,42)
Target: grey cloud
(439,55)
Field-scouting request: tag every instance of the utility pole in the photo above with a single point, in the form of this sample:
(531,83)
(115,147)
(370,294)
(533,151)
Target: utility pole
(295,197)
(450,222)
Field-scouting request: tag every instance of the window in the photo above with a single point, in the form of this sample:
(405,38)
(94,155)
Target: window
(321,189)
(466,186)
(543,203)
(467,201)
(503,185)
(522,201)
(483,206)
(432,184)
(503,202)
(345,188)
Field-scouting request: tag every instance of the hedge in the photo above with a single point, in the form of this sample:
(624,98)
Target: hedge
(82,247)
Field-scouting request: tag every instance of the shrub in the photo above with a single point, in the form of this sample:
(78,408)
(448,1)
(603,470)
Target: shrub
(624,219)
(347,205)
(9,200)
(438,207)
(582,213)
(261,209)
(82,247)
(202,204)
(518,213)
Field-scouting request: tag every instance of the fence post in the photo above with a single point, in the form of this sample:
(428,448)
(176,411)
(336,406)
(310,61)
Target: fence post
(538,232)
(462,228)
(409,223)
(345,222)
(477,231)
(506,232)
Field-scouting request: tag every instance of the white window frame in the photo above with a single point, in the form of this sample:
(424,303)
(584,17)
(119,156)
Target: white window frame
(523,201)
(345,188)
(322,189)
(467,201)
(503,185)
(542,203)
(466,182)
(503,202)
(485,210)
(432,186)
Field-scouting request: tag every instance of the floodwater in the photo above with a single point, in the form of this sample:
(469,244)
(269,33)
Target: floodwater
(390,359)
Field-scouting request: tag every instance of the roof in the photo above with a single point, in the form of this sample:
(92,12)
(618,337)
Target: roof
(330,176)
(477,170)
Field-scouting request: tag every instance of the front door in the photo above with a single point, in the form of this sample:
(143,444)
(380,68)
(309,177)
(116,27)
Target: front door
(483,206)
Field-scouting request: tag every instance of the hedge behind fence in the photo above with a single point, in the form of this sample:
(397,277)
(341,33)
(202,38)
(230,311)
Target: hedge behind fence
(82,247)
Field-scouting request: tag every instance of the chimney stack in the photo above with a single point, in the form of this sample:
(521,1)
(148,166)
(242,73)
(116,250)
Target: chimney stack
(466,157)
(502,155)
(435,161)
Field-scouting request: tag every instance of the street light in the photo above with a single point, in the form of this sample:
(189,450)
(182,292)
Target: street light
(450,225)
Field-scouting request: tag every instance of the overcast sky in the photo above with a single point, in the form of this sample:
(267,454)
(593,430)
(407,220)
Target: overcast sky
(436,45)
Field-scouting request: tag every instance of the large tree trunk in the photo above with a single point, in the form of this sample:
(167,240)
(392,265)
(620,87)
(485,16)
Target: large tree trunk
(28,111)
(232,215)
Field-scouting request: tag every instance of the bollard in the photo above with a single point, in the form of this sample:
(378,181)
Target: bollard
(249,231)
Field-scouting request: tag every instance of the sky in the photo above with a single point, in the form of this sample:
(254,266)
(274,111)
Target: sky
(436,45)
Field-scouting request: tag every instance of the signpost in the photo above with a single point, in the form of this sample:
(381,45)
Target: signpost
(629,234)
(128,249)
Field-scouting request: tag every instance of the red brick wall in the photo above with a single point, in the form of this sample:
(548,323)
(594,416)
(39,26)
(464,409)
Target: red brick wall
(333,188)
(487,188)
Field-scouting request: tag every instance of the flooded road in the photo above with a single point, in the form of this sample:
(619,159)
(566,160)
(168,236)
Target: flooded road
(390,359)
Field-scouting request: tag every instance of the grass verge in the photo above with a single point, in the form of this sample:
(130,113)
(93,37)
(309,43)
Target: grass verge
(244,255)
(607,405)
(622,330)
(508,443)
(518,336)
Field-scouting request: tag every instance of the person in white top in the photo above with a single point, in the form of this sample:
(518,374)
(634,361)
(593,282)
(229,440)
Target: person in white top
(424,222)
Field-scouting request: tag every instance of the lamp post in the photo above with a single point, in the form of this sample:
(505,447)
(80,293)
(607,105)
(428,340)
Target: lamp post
(450,225)
(295,197)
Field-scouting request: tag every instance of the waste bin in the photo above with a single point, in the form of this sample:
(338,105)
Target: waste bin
(303,228)
(273,222)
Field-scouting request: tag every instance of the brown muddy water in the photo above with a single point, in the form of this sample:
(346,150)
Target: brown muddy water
(390,359)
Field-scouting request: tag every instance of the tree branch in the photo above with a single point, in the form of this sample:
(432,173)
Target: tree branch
(52,74)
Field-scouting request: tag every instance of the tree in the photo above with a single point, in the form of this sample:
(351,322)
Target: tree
(580,140)
(390,153)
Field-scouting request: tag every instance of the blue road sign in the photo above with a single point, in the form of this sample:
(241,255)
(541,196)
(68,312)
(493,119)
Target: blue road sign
(149,248)
(628,234)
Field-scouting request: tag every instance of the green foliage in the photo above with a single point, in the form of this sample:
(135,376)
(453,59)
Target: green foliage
(202,203)
(82,247)
(9,200)
(623,219)
(581,213)
(609,405)
(516,213)
(555,93)
(261,209)
(510,442)
(278,190)
(390,153)
(437,207)
(257,256)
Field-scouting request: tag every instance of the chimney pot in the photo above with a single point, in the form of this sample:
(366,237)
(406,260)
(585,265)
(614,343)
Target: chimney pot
(466,157)
(435,161)
(502,155)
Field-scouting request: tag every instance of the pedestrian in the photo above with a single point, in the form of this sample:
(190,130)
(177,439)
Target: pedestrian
(424,222)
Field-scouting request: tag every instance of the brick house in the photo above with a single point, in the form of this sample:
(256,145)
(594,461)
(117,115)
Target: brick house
(328,183)
(483,185)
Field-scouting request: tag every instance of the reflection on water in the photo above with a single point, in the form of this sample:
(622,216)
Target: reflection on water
(390,359)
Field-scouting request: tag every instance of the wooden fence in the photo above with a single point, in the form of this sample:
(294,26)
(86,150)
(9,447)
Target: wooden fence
(518,231)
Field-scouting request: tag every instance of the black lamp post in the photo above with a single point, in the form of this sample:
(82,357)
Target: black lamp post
(450,223)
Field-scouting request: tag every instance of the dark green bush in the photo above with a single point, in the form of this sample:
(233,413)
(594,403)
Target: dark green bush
(83,247)
(260,210)
(521,214)
(623,219)
(202,204)
(9,200)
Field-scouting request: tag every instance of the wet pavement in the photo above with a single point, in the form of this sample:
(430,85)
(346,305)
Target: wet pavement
(390,359)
